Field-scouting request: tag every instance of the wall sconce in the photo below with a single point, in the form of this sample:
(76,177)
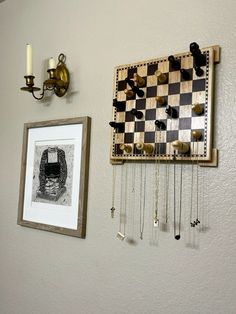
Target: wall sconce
(58,81)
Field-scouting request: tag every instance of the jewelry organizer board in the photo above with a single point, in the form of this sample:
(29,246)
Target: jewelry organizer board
(178,93)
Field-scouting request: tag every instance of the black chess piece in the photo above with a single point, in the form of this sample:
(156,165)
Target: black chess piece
(138,91)
(138,114)
(172,112)
(174,63)
(160,125)
(198,71)
(198,56)
(130,82)
(118,126)
(185,75)
(119,105)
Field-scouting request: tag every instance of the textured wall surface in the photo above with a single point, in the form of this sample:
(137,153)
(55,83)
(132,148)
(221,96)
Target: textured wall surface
(44,272)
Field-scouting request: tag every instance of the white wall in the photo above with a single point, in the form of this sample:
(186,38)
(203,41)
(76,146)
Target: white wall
(44,272)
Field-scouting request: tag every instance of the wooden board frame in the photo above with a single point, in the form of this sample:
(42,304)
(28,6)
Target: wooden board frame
(82,140)
(209,159)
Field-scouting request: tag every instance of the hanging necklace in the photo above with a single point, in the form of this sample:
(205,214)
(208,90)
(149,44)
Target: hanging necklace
(113,191)
(157,181)
(193,223)
(131,239)
(167,172)
(121,232)
(142,199)
(177,235)
(197,221)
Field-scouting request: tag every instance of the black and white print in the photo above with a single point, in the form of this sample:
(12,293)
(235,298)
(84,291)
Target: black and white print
(53,174)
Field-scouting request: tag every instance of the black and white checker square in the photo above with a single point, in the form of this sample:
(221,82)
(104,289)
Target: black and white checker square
(173,88)
(185,136)
(139,126)
(160,149)
(186,87)
(161,113)
(129,116)
(198,122)
(160,136)
(185,111)
(152,68)
(150,114)
(151,91)
(174,77)
(162,90)
(151,80)
(173,100)
(172,135)
(172,124)
(185,99)
(131,71)
(128,138)
(129,126)
(119,138)
(142,70)
(150,126)
(163,66)
(149,137)
(199,85)
(185,123)
(140,104)
(187,62)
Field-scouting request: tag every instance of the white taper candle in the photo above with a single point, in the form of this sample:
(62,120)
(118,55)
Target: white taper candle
(29,60)
(51,64)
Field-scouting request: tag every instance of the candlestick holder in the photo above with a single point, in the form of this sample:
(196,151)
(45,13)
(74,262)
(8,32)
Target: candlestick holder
(58,81)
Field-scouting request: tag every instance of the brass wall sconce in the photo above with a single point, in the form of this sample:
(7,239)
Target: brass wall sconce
(59,77)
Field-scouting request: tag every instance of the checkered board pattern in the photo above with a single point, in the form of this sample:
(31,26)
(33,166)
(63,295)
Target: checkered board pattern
(178,93)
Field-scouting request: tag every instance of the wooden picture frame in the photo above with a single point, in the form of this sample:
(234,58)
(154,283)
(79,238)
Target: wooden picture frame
(54,176)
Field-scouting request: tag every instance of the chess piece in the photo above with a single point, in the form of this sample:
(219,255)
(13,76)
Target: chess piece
(119,105)
(118,126)
(147,148)
(196,135)
(162,77)
(180,146)
(160,101)
(174,63)
(140,81)
(198,71)
(126,148)
(172,112)
(129,93)
(160,125)
(138,91)
(199,58)
(185,75)
(138,114)
(130,82)
(197,108)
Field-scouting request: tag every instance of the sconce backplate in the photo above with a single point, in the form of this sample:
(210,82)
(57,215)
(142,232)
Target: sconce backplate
(63,80)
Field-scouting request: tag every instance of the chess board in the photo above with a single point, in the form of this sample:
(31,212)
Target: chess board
(178,93)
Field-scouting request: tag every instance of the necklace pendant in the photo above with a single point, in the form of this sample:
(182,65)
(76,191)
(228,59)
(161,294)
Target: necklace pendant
(120,236)
(156,220)
(112,212)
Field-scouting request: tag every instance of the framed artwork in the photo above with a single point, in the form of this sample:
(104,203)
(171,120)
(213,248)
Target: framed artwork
(54,176)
